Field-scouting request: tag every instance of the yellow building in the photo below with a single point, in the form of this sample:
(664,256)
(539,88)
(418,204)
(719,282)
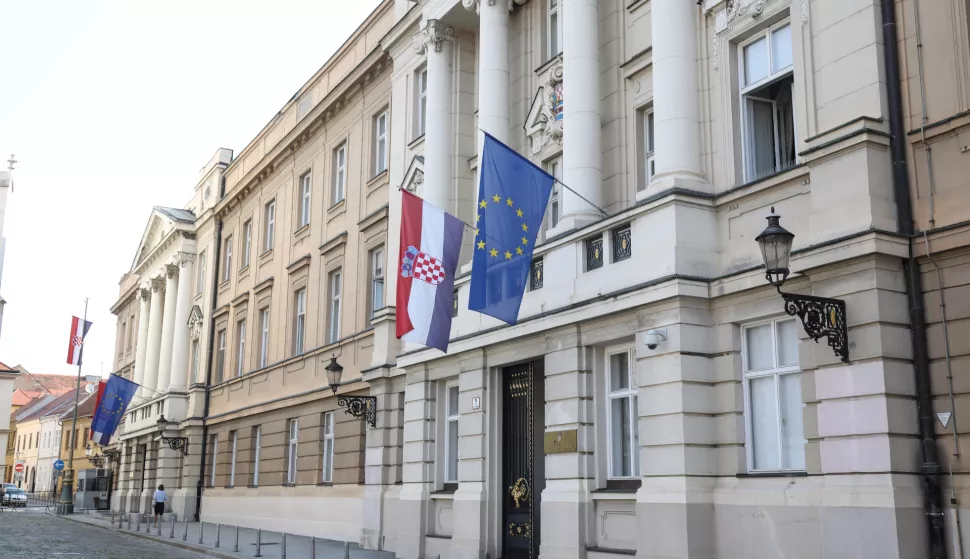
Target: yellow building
(82,433)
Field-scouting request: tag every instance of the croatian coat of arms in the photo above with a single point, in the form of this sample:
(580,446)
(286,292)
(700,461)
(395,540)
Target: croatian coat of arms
(422,266)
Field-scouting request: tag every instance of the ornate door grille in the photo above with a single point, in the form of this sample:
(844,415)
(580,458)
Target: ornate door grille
(522,477)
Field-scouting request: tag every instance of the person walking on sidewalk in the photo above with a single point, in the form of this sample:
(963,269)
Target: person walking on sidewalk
(159,500)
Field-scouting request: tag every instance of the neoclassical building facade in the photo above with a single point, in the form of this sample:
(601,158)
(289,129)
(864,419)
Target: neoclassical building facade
(655,398)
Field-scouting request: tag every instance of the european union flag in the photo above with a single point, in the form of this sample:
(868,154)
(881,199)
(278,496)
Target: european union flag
(512,197)
(112,405)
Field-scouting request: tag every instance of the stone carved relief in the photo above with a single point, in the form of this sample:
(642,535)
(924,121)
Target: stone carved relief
(433,34)
(805,12)
(735,10)
(171,270)
(414,176)
(545,122)
(195,322)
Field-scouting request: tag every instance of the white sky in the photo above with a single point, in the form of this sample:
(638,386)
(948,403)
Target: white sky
(112,108)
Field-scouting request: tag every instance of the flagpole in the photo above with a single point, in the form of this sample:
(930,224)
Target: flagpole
(66,505)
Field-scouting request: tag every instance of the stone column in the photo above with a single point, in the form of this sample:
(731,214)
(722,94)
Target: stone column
(676,101)
(153,350)
(418,471)
(469,536)
(183,306)
(144,297)
(582,151)
(383,456)
(168,328)
(435,40)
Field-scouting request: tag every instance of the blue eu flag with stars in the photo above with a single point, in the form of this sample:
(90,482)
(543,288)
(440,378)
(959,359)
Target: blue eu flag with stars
(512,197)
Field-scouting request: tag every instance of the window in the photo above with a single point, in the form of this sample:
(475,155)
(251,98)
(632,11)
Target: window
(240,347)
(767,110)
(339,174)
(333,330)
(773,396)
(326,474)
(247,242)
(195,359)
(451,433)
(304,205)
(380,143)
(291,449)
(554,29)
(131,328)
(263,337)
(200,279)
(87,436)
(257,447)
(646,146)
(215,455)
(623,437)
(232,465)
(421,93)
(376,279)
(299,330)
(555,199)
(221,356)
(227,263)
(269,231)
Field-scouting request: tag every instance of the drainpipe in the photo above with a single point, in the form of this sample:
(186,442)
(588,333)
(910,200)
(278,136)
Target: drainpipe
(208,368)
(930,466)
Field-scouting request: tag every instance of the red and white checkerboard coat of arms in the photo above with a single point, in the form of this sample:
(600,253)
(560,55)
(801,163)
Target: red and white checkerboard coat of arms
(422,267)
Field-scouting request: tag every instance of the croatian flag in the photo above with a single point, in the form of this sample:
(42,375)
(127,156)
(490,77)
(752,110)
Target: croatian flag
(430,243)
(79,329)
(112,404)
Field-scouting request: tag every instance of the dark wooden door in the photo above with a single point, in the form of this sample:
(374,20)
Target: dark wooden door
(523,472)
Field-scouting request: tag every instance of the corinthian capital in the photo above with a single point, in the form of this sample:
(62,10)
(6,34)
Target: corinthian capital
(158,284)
(184,258)
(144,293)
(473,5)
(432,36)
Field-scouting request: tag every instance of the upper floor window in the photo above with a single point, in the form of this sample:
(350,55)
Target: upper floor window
(376,279)
(241,347)
(234,438)
(263,337)
(380,143)
(304,205)
(299,322)
(623,440)
(257,436)
(291,450)
(227,263)
(554,28)
(451,433)
(767,109)
(221,356)
(326,466)
(421,105)
(773,396)
(339,174)
(214,441)
(645,147)
(333,329)
(200,278)
(247,243)
(195,360)
(269,229)
(554,212)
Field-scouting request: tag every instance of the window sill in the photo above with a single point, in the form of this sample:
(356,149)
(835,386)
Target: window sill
(302,232)
(416,142)
(772,474)
(252,486)
(437,537)
(265,257)
(336,209)
(289,485)
(325,484)
(595,549)
(548,63)
(377,178)
(224,286)
(243,272)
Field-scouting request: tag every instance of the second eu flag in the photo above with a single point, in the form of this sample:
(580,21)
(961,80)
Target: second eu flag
(512,197)
(112,404)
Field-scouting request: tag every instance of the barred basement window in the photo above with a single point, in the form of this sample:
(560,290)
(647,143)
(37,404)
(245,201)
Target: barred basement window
(594,253)
(535,275)
(622,243)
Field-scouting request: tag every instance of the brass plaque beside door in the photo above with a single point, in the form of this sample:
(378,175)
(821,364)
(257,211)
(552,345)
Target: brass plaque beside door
(560,441)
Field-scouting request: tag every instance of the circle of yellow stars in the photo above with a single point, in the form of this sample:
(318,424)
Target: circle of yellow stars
(493,252)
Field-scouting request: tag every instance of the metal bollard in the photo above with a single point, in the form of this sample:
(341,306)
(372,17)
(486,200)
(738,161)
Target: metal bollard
(201,531)
(158,527)
(235,544)
(171,535)
(129,521)
(121,519)
(138,524)
(185,533)
(259,542)
(218,531)
(112,521)
(313,547)
(283,547)
(346,550)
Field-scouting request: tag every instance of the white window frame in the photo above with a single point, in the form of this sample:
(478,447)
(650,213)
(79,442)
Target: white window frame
(292,449)
(232,467)
(215,458)
(421,101)
(263,337)
(553,41)
(299,321)
(257,446)
(227,260)
(326,463)
(247,243)
(554,211)
(451,417)
(380,141)
(648,142)
(200,278)
(776,371)
(195,359)
(338,189)
(306,188)
(221,356)
(745,89)
(240,347)
(335,287)
(377,279)
(269,232)
(630,393)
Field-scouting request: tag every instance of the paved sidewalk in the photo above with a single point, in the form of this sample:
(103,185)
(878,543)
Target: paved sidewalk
(220,541)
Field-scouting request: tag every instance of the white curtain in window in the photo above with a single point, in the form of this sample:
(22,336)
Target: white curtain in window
(764,423)
(793,441)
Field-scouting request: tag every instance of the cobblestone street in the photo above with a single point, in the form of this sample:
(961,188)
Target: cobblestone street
(36,535)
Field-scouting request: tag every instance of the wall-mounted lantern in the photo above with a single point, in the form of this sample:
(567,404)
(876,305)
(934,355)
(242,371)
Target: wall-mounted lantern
(358,406)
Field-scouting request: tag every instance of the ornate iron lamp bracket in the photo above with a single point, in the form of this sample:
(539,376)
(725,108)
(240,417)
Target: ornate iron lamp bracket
(97,461)
(360,406)
(112,455)
(821,317)
(177,443)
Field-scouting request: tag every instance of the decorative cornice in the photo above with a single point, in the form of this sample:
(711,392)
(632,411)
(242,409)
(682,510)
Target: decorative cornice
(432,36)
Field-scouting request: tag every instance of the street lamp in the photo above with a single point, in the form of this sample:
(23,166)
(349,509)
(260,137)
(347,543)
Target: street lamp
(820,316)
(96,460)
(175,443)
(357,406)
